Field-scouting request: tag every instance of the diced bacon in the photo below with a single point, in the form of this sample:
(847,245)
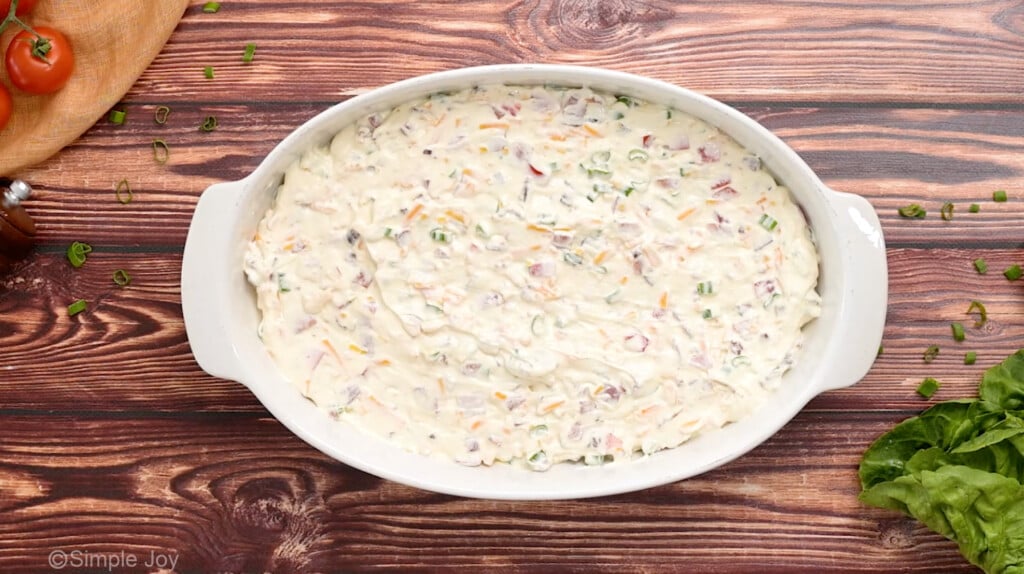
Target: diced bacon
(710,152)
(721,182)
(542,269)
(648,140)
(726,192)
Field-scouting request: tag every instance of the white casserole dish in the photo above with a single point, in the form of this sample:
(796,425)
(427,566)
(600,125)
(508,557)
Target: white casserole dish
(221,316)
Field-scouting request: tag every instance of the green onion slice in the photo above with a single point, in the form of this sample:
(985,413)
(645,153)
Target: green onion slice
(637,155)
(117,117)
(982,313)
(250,52)
(970,357)
(913,211)
(123,192)
(999,195)
(958,332)
(209,124)
(947,211)
(930,353)
(928,387)
(440,235)
(980,266)
(706,314)
(1013,272)
(122,278)
(705,288)
(768,222)
(211,7)
(208,72)
(77,252)
(160,115)
(76,307)
(161,151)
(974,208)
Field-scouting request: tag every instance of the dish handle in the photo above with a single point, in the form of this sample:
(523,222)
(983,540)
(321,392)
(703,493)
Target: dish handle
(864,291)
(204,295)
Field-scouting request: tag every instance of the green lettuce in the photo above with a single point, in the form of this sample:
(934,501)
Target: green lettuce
(958,467)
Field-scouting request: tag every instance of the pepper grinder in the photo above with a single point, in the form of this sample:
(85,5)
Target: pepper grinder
(17,230)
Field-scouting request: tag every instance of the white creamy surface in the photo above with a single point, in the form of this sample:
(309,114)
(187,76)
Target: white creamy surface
(533,275)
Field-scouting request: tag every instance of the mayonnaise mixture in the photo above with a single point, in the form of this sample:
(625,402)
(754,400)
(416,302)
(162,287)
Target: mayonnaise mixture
(533,275)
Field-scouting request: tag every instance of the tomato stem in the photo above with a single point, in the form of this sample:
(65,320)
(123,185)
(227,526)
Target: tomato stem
(12,18)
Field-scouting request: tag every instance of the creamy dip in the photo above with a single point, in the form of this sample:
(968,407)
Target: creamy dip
(533,275)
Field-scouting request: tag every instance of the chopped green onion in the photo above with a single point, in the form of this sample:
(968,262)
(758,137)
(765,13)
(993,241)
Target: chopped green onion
(682,172)
(974,208)
(740,360)
(930,353)
(947,211)
(768,222)
(161,114)
(440,235)
(705,288)
(76,307)
(628,101)
(123,192)
(668,114)
(601,157)
(880,350)
(970,357)
(637,155)
(77,252)
(250,52)
(209,124)
(610,298)
(572,258)
(999,196)
(122,278)
(1013,272)
(980,266)
(982,313)
(211,7)
(161,151)
(628,191)
(913,210)
(281,286)
(208,72)
(539,460)
(387,232)
(597,171)
(117,117)
(928,387)
(538,431)
(958,331)
(706,314)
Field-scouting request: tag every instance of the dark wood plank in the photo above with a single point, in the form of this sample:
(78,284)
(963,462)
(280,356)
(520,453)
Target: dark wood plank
(129,350)
(240,493)
(933,51)
(892,157)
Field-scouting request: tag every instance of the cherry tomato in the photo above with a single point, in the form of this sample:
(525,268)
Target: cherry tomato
(24,7)
(39,65)
(6,106)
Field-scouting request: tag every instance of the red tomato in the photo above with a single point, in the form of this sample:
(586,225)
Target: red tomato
(24,7)
(6,106)
(39,65)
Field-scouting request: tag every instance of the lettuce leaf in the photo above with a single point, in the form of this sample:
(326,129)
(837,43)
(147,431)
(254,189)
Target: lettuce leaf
(958,467)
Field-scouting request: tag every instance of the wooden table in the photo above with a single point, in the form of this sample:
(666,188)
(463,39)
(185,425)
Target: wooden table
(114,443)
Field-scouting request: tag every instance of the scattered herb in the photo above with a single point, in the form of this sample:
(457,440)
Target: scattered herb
(947,211)
(123,192)
(768,222)
(161,151)
(928,387)
(958,332)
(250,53)
(982,313)
(440,235)
(77,252)
(999,196)
(881,349)
(209,124)
(76,307)
(208,72)
(628,191)
(211,7)
(913,211)
(706,314)
(970,357)
(974,208)
(637,155)
(117,117)
(705,288)
(930,353)
(1013,272)
(980,266)
(161,114)
(122,278)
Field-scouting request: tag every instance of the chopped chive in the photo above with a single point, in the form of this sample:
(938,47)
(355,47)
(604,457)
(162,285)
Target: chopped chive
(705,288)
(117,117)
(913,211)
(628,101)
(1013,272)
(980,266)
(161,114)
(928,387)
(930,353)
(209,124)
(974,208)
(668,114)
(440,235)
(958,332)
(387,232)
(637,155)
(208,72)
(123,192)
(572,258)
(628,191)
(250,52)
(768,222)
(161,151)
(947,211)
(77,252)
(982,313)
(76,307)
(999,195)
(122,278)
(970,357)
(211,7)
(706,314)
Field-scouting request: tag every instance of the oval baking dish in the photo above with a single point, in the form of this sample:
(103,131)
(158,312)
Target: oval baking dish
(221,317)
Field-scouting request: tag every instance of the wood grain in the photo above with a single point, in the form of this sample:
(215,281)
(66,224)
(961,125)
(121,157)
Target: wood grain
(240,493)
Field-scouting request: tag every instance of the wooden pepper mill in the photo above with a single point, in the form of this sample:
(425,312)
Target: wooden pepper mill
(17,230)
